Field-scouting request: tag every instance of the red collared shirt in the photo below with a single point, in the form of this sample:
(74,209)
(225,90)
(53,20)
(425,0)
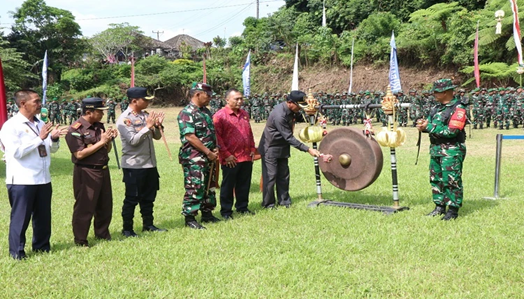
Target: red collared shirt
(234,135)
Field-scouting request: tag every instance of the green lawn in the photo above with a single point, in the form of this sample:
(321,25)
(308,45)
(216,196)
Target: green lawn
(293,253)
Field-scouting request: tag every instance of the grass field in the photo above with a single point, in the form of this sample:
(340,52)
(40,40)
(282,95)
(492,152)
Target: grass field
(300,252)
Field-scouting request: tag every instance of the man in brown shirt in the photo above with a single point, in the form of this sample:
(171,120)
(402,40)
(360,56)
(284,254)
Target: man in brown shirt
(90,144)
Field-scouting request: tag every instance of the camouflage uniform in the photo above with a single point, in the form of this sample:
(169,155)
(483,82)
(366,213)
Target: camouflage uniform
(124,104)
(54,112)
(196,165)
(447,150)
(111,111)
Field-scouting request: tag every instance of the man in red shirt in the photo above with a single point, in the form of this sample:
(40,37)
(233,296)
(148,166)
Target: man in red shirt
(236,151)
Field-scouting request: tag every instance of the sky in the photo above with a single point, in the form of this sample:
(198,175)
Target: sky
(201,19)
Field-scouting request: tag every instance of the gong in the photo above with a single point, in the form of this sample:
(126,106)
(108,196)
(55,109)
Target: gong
(356,159)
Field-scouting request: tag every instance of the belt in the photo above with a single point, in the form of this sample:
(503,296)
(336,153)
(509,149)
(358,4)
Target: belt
(92,166)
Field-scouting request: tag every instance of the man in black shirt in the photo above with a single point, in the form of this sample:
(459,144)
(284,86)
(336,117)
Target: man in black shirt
(274,147)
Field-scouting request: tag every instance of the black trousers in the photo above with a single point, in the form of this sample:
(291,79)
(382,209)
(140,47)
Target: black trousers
(93,198)
(236,182)
(275,171)
(29,201)
(141,188)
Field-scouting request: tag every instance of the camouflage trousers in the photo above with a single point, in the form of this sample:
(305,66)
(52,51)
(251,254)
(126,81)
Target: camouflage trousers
(445,177)
(197,197)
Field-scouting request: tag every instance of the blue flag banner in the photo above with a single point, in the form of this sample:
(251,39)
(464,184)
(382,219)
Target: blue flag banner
(44,79)
(394,77)
(246,75)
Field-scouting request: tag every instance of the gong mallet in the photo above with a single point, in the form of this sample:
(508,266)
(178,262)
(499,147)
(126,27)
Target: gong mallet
(115,150)
(165,141)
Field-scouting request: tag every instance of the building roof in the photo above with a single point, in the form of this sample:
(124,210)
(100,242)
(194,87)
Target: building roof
(176,41)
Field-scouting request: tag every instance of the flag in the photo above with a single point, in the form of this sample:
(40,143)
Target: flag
(324,23)
(516,29)
(476,57)
(44,78)
(246,75)
(132,71)
(3,99)
(394,77)
(204,80)
(294,84)
(351,72)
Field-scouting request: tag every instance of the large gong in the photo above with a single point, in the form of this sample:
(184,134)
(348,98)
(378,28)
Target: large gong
(357,159)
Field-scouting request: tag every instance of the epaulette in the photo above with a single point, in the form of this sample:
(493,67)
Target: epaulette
(76,125)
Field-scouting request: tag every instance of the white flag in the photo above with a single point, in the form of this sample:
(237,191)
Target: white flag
(246,75)
(324,23)
(44,79)
(294,84)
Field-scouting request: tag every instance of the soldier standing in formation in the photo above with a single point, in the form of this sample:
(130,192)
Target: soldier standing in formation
(197,154)
(111,111)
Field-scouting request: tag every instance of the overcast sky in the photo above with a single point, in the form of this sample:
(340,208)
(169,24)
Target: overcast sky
(202,19)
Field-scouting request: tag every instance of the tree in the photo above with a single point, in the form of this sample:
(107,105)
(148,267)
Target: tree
(38,28)
(16,70)
(219,42)
(119,38)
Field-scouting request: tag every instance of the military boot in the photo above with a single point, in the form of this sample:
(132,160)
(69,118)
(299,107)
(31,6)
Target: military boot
(439,210)
(192,223)
(474,126)
(482,126)
(208,217)
(451,214)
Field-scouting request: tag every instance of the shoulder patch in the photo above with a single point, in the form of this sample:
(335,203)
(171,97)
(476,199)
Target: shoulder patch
(76,125)
(127,122)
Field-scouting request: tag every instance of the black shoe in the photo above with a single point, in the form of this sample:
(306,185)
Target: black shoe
(451,214)
(227,217)
(439,210)
(270,207)
(152,228)
(129,233)
(82,244)
(246,212)
(194,225)
(208,217)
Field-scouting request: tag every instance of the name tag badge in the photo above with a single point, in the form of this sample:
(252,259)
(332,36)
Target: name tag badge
(42,151)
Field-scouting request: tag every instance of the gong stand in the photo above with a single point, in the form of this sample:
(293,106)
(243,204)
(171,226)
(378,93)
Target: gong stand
(346,162)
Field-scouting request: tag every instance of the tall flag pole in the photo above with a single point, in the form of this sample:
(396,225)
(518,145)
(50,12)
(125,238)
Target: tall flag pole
(351,72)
(44,78)
(294,84)
(476,57)
(204,80)
(3,98)
(394,77)
(246,75)
(516,30)
(132,71)
(324,23)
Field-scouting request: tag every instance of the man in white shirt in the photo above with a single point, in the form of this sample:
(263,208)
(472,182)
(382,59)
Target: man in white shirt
(28,143)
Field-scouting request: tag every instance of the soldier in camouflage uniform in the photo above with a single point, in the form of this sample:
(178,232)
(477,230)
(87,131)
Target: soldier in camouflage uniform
(54,112)
(255,108)
(124,104)
(64,111)
(71,111)
(197,155)
(478,110)
(111,111)
(415,110)
(403,112)
(445,126)
(488,100)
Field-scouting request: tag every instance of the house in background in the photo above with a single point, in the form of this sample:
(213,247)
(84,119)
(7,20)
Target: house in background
(174,47)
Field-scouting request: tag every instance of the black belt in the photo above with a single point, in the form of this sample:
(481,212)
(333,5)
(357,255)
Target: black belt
(92,166)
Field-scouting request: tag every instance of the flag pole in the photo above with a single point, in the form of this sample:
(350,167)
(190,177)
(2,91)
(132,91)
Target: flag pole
(133,71)
(351,72)
(476,57)
(44,79)
(3,97)
(294,84)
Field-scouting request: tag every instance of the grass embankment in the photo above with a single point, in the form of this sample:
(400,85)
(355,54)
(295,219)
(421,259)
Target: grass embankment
(293,253)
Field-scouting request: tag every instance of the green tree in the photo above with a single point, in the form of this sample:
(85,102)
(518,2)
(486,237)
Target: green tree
(119,38)
(38,28)
(16,70)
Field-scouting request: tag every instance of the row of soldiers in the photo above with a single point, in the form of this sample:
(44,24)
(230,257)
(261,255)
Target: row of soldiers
(501,106)
(64,112)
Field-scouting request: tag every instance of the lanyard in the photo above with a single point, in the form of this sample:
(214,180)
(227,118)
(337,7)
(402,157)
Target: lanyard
(37,133)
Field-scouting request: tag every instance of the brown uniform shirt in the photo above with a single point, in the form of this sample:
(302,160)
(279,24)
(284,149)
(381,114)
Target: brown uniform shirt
(82,134)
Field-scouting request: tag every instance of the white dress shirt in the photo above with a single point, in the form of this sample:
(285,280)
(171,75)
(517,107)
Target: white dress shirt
(20,139)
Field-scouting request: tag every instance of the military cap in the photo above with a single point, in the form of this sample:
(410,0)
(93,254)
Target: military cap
(94,103)
(443,85)
(138,93)
(502,89)
(297,97)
